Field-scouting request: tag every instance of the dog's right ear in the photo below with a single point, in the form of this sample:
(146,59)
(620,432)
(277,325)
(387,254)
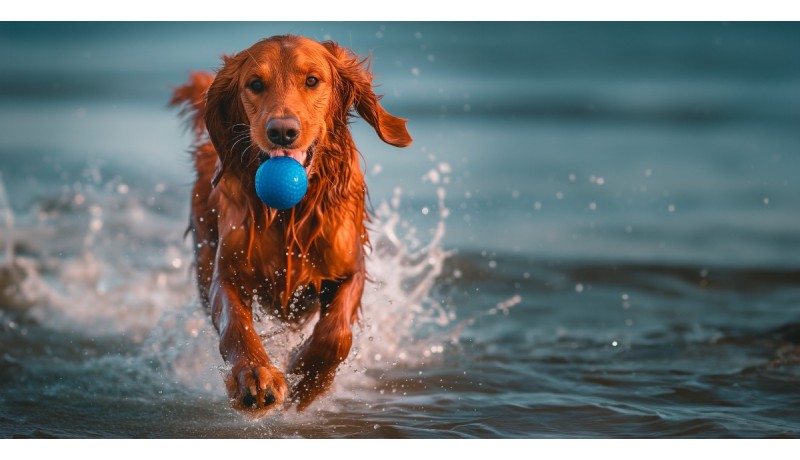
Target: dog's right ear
(226,120)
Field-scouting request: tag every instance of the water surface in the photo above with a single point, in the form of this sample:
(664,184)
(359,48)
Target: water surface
(594,234)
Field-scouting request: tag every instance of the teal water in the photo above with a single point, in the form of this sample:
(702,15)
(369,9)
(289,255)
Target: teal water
(594,234)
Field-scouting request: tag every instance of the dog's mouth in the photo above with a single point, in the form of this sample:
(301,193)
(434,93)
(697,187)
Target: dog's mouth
(303,156)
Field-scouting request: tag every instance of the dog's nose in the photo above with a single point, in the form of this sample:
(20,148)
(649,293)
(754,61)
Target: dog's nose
(283,131)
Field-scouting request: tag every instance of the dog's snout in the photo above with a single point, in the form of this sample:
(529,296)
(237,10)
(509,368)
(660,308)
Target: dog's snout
(283,131)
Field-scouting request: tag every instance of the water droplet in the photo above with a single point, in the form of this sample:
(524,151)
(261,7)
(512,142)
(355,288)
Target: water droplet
(96,225)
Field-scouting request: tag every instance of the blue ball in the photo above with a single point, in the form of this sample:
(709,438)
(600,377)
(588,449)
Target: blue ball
(281,182)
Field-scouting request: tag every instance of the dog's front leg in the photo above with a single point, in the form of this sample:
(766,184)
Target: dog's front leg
(329,343)
(254,384)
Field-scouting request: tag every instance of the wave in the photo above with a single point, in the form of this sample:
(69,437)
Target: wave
(506,268)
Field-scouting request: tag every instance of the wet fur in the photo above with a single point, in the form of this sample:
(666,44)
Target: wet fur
(300,261)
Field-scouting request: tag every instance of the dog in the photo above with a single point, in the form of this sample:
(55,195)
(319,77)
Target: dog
(284,96)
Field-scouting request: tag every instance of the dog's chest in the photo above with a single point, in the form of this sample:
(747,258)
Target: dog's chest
(291,258)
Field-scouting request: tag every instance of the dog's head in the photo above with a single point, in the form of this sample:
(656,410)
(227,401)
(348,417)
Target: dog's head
(292,96)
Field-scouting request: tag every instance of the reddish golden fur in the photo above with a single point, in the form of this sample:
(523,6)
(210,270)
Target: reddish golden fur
(243,247)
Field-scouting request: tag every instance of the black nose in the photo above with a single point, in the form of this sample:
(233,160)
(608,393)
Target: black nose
(283,131)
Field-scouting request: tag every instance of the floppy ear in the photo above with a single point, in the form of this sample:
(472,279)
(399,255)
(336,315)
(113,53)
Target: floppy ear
(353,82)
(225,118)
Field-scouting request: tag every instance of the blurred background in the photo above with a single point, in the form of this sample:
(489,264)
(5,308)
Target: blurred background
(620,140)
(625,193)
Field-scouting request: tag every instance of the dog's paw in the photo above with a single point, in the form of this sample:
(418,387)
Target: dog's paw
(256,389)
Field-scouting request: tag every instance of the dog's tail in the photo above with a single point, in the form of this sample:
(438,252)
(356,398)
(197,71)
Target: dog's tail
(191,98)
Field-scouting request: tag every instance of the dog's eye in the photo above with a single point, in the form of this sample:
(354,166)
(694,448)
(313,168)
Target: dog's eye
(312,82)
(256,86)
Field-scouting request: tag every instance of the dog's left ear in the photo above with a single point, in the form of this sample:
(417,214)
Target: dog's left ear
(353,86)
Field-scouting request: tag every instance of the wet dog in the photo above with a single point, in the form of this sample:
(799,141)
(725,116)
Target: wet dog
(283,96)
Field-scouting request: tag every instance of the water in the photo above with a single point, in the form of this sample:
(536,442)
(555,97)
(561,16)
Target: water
(593,235)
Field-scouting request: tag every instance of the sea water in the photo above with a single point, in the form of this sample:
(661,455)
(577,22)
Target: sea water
(594,234)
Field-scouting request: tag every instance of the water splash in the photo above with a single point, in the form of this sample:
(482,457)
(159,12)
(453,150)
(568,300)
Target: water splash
(401,309)
(98,260)
(108,264)
(405,318)
(6,225)
(21,288)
